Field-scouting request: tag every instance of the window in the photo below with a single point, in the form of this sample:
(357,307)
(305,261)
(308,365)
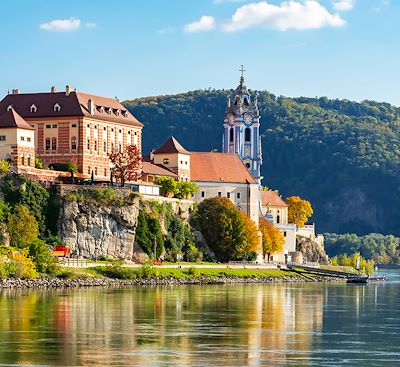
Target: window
(278,219)
(73,125)
(54,126)
(105,172)
(129,132)
(88,170)
(54,144)
(104,128)
(48,126)
(228,195)
(120,131)
(29,161)
(48,143)
(23,160)
(28,139)
(2,138)
(238,195)
(120,147)
(112,130)
(181,162)
(247,134)
(219,194)
(135,133)
(112,146)
(95,145)
(73,142)
(284,234)
(57,108)
(166,161)
(88,144)
(87,125)
(33,108)
(248,165)
(95,170)
(22,138)
(203,194)
(105,146)
(231,135)
(95,126)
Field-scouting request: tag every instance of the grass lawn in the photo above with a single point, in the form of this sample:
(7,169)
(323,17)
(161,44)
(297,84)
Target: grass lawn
(344,269)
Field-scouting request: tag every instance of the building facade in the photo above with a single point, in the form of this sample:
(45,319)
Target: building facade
(76,127)
(242,129)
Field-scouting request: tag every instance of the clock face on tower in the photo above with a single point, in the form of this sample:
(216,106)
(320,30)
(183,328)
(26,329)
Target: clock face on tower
(231,119)
(248,118)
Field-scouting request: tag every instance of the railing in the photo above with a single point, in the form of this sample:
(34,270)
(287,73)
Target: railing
(74,262)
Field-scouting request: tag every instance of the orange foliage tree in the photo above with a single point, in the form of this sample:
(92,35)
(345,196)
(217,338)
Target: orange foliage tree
(272,239)
(299,211)
(227,231)
(127,164)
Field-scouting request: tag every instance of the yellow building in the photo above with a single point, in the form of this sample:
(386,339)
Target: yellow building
(17,140)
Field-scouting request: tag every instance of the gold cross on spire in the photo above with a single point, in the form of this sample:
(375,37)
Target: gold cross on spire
(242,70)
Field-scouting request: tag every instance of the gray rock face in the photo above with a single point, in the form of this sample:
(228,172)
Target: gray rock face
(312,251)
(93,231)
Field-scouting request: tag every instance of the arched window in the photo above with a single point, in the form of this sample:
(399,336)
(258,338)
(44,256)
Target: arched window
(247,134)
(33,108)
(73,142)
(57,108)
(231,135)
(278,219)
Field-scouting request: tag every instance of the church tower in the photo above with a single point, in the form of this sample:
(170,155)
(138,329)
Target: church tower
(242,129)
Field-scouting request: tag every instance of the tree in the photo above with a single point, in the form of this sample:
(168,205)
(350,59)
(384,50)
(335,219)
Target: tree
(299,211)
(272,239)
(5,167)
(127,163)
(22,227)
(186,190)
(168,186)
(227,231)
(38,163)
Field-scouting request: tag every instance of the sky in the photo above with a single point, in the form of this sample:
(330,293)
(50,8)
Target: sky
(129,48)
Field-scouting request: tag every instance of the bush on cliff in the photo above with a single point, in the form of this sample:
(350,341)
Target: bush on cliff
(22,227)
(16,264)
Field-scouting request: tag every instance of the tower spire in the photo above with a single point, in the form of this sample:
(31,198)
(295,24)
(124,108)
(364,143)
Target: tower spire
(242,70)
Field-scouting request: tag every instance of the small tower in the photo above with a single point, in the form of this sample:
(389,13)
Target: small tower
(242,129)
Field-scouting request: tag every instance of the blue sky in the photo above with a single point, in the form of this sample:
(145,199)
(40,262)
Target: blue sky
(336,48)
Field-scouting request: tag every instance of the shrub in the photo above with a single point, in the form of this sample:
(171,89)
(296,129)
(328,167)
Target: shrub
(193,254)
(22,227)
(117,271)
(42,257)
(148,271)
(21,266)
(193,272)
(5,167)
(38,163)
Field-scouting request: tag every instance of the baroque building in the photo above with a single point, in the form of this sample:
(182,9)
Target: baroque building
(242,129)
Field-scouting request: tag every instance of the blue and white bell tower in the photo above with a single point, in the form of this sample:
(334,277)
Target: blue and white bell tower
(242,129)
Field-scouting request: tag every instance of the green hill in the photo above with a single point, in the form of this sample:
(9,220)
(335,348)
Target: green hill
(343,156)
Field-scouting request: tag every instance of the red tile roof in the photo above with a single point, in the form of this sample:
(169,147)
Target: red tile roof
(218,167)
(171,146)
(11,119)
(157,170)
(271,198)
(74,104)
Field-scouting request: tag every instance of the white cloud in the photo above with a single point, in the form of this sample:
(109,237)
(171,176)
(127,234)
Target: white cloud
(205,24)
(90,25)
(61,25)
(228,1)
(292,14)
(343,5)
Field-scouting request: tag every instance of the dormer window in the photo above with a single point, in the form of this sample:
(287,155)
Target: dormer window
(33,108)
(108,110)
(117,112)
(9,107)
(57,108)
(101,109)
(125,113)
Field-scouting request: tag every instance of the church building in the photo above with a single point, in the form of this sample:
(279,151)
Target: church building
(242,129)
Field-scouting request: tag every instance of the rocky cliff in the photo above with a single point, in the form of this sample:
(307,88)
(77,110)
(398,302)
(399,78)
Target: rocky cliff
(311,250)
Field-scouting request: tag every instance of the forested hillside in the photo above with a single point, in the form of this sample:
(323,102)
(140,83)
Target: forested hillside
(343,156)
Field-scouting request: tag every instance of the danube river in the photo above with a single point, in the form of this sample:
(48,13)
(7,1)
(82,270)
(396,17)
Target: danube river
(239,325)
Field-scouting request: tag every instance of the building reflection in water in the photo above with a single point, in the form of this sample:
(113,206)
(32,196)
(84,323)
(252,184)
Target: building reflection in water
(243,325)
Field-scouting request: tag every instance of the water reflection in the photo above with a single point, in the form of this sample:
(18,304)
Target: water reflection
(253,325)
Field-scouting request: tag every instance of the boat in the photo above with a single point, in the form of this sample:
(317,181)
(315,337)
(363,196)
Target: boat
(359,279)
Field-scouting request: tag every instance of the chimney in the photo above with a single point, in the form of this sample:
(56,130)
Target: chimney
(91,106)
(16,91)
(68,90)
(53,89)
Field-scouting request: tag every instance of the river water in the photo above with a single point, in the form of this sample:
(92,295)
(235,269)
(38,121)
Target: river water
(239,325)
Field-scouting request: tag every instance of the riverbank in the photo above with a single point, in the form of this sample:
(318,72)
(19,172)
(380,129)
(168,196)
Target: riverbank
(161,277)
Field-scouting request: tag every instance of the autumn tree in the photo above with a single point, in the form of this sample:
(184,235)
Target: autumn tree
(127,164)
(299,211)
(22,227)
(272,239)
(227,231)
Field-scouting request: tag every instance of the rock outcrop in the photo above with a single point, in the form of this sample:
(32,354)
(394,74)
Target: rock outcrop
(312,251)
(95,231)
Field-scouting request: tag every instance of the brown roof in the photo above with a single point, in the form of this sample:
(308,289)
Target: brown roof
(74,104)
(271,198)
(157,170)
(218,167)
(171,146)
(11,119)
